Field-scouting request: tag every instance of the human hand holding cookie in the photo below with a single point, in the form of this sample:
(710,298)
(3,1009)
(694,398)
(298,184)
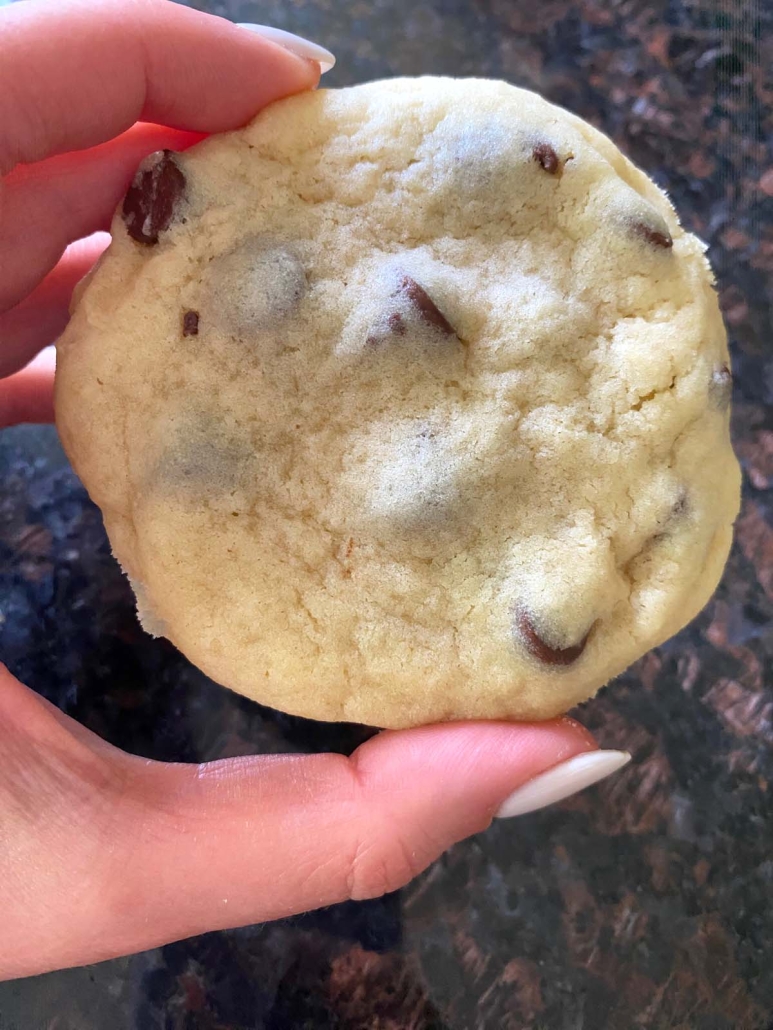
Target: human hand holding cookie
(103,853)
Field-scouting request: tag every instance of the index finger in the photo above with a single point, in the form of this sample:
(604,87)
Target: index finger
(74,74)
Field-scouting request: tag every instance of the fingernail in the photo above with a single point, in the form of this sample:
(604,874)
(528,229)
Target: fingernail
(295,44)
(562,781)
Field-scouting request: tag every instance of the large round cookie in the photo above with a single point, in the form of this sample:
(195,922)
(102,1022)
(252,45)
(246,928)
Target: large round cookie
(407,402)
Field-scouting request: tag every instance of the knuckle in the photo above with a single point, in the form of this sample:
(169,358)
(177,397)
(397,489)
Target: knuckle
(382,863)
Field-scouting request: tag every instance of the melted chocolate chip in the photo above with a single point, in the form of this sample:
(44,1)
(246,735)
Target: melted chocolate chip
(721,388)
(425,306)
(191,323)
(254,287)
(653,236)
(545,156)
(539,648)
(202,466)
(149,204)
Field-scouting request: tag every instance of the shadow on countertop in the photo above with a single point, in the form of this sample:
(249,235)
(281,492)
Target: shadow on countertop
(645,902)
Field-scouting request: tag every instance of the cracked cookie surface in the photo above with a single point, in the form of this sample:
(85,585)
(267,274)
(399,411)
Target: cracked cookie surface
(406,402)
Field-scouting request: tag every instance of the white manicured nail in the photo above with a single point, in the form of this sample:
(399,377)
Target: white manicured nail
(295,44)
(562,781)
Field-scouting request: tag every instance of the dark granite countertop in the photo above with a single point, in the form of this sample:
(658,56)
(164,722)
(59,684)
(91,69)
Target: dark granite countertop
(646,902)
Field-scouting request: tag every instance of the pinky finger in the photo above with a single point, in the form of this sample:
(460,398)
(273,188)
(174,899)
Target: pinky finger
(40,318)
(28,396)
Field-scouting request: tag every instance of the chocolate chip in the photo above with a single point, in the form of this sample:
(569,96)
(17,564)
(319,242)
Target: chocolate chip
(721,388)
(653,236)
(545,156)
(416,298)
(396,323)
(539,648)
(681,506)
(149,205)
(426,308)
(679,512)
(191,323)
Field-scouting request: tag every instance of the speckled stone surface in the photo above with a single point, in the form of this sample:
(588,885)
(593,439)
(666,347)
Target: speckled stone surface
(645,902)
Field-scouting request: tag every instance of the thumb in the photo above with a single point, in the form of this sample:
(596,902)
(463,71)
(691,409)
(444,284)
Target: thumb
(177,850)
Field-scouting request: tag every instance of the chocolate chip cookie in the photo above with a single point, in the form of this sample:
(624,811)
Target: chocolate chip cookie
(407,402)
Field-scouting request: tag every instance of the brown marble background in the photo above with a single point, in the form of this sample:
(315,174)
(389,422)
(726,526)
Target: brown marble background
(646,902)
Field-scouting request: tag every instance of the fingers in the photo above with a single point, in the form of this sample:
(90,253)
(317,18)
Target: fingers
(173,851)
(26,381)
(73,75)
(49,204)
(39,319)
(28,396)
(71,80)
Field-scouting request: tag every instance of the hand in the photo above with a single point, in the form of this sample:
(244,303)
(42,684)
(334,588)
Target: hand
(103,853)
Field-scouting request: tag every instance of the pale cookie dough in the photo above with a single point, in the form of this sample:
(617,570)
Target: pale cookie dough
(407,402)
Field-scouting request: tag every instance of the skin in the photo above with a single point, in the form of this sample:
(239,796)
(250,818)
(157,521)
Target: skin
(102,853)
